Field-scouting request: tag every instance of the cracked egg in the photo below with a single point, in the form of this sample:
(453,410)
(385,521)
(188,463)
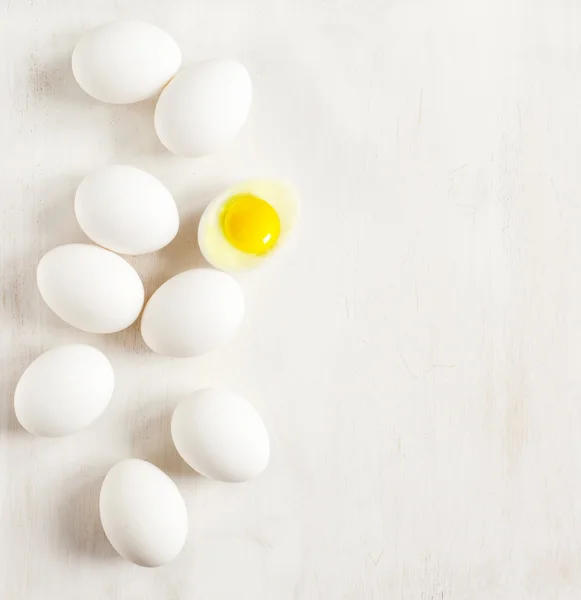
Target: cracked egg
(248,224)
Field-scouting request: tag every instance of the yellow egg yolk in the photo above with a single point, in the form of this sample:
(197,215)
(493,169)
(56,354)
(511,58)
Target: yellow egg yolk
(250,224)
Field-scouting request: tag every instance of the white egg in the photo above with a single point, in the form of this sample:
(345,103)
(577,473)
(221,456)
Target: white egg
(126,210)
(203,108)
(125,61)
(193,313)
(90,288)
(221,436)
(143,513)
(64,390)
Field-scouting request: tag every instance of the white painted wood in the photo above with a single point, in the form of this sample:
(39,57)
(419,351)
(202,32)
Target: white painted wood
(415,352)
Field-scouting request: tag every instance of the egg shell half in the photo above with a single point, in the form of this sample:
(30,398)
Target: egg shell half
(126,210)
(193,313)
(125,61)
(64,390)
(221,436)
(143,513)
(218,251)
(90,288)
(203,108)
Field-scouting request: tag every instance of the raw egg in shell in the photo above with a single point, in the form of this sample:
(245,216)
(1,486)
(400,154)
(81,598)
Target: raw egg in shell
(247,224)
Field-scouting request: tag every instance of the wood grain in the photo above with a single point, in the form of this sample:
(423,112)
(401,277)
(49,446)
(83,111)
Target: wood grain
(414,351)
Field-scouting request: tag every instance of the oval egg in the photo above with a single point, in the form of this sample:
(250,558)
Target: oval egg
(126,210)
(192,313)
(247,224)
(143,513)
(125,61)
(64,390)
(90,288)
(221,436)
(203,108)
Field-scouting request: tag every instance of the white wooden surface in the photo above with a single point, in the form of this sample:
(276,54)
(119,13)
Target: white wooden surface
(416,350)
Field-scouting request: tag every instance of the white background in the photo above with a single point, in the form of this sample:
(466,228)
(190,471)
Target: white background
(415,351)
